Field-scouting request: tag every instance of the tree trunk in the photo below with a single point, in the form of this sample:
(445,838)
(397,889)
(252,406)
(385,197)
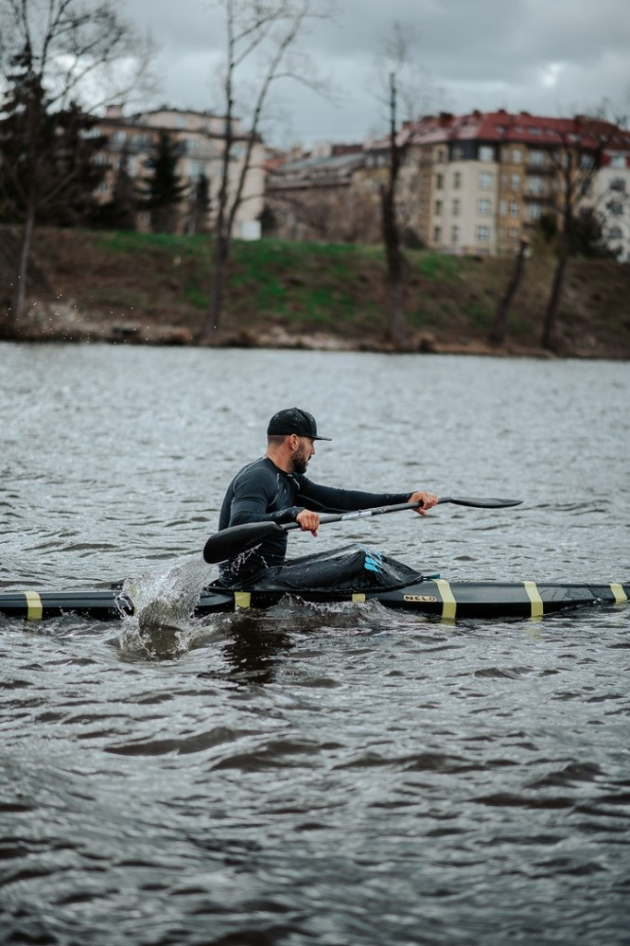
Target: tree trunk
(221,256)
(497,332)
(11,328)
(549,321)
(396,328)
(394,279)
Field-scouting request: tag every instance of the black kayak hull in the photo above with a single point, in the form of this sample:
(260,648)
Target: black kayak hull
(437,597)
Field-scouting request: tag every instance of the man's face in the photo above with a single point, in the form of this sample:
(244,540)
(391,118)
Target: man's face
(303,452)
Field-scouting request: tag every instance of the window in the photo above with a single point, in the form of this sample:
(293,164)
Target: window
(457,180)
(456,207)
(512,233)
(618,184)
(587,161)
(514,208)
(517,156)
(503,208)
(616,208)
(438,208)
(515,182)
(437,234)
(454,235)
(614,233)
(440,156)
(484,207)
(439,182)
(535,185)
(537,158)
(483,234)
(534,210)
(486,153)
(618,161)
(485,180)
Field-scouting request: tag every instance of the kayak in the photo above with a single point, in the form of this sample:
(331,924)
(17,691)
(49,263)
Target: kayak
(437,597)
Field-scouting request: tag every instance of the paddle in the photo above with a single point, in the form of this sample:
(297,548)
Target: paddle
(237,539)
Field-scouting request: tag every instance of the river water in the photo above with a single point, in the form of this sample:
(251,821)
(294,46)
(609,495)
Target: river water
(313,774)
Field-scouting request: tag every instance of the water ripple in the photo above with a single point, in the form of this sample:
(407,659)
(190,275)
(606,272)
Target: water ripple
(310,774)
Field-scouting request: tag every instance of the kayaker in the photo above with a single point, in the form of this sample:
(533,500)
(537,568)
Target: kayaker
(275,488)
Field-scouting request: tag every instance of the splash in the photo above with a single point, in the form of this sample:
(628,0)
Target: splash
(163,605)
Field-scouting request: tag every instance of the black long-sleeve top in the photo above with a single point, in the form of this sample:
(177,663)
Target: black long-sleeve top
(261,492)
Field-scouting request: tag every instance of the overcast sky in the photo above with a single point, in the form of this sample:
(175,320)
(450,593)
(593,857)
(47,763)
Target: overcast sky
(550,57)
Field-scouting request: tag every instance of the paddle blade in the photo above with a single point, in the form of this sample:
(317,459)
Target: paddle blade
(237,539)
(482,503)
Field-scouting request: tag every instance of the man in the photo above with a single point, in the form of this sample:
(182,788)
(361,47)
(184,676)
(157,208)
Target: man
(276,489)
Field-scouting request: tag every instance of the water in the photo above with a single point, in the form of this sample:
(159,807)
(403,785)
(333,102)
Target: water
(312,774)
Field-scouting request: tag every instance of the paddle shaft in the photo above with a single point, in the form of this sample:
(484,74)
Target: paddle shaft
(231,542)
(399,507)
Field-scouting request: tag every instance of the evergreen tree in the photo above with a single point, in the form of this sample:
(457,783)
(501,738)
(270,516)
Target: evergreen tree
(119,213)
(199,205)
(47,168)
(47,156)
(162,191)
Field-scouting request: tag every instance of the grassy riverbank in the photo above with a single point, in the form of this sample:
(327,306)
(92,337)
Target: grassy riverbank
(155,288)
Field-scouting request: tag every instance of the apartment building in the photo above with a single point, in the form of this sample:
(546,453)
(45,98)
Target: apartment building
(488,177)
(316,196)
(200,140)
(612,197)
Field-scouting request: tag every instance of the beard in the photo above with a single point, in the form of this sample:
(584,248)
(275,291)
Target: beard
(300,460)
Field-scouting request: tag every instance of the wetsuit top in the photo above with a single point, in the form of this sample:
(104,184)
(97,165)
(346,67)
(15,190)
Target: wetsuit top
(261,492)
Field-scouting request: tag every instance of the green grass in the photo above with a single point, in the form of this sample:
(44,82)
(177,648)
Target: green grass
(436,266)
(338,288)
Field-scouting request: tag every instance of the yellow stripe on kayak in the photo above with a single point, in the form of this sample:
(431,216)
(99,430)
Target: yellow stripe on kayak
(538,608)
(242,600)
(34,606)
(620,596)
(449,608)
(358,598)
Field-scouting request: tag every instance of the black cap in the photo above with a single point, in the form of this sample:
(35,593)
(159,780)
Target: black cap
(294,421)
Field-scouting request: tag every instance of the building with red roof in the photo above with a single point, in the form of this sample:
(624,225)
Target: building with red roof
(482,181)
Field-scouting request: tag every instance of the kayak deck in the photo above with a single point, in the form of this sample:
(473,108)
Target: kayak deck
(435,596)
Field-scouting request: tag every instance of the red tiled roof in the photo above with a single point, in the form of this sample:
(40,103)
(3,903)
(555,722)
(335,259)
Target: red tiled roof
(517,127)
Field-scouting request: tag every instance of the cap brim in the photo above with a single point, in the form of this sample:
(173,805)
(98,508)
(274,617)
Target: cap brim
(321,438)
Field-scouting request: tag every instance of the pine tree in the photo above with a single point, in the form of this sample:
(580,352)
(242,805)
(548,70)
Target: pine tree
(199,205)
(47,168)
(162,191)
(119,213)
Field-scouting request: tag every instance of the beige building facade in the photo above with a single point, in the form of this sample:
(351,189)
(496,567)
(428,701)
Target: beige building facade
(489,177)
(469,184)
(200,141)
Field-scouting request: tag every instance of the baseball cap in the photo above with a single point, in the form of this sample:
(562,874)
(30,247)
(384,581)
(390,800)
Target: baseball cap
(294,421)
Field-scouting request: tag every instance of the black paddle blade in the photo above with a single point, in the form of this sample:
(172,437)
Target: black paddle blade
(237,539)
(482,503)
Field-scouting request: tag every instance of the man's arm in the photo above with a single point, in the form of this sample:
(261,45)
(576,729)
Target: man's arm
(331,499)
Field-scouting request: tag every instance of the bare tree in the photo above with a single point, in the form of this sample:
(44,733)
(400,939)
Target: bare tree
(577,161)
(391,235)
(401,84)
(496,335)
(269,31)
(55,55)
